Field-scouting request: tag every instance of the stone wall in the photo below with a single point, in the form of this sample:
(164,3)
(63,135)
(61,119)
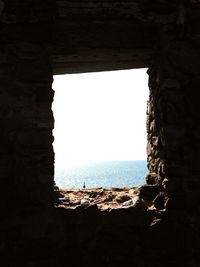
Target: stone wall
(162,229)
(26,165)
(172,117)
(173,134)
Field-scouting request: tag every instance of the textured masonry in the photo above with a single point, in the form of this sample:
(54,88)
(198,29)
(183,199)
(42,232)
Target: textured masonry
(39,38)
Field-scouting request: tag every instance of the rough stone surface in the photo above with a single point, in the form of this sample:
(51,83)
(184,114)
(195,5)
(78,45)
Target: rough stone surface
(159,228)
(104,199)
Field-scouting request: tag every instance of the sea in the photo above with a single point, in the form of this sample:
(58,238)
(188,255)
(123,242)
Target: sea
(103,174)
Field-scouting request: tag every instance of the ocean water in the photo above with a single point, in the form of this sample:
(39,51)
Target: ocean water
(103,174)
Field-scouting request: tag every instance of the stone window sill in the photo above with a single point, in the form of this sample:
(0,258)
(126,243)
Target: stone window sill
(104,199)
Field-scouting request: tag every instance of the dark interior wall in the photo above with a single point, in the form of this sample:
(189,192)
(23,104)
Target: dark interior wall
(102,35)
(173,139)
(31,44)
(173,114)
(27,156)
(27,122)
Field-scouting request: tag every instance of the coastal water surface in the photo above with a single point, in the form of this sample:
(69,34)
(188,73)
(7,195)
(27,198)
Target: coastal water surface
(103,174)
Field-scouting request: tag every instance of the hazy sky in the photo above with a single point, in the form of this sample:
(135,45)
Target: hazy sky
(100,116)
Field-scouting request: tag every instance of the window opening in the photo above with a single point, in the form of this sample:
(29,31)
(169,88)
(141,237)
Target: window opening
(100,129)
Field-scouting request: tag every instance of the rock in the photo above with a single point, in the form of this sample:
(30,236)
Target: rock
(85,202)
(149,192)
(133,191)
(122,198)
(101,192)
(109,198)
(117,189)
(65,202)
(127,203)
(159,202)
(93,194)
(76,202)
(151,178)
(99,200)
(140,204)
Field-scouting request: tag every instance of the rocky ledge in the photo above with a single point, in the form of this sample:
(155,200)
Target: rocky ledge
(104,199)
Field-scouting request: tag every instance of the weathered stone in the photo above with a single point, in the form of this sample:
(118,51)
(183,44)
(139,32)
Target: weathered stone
(149,192)
(93,194)
(127,203)
(75,202)
(99,200)
(109,198)
(152,178)
(122,198)
(38,227)
(159,202)
(85,202)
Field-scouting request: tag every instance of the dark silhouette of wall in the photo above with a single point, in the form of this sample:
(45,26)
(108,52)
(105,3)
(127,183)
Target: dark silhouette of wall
(39,38)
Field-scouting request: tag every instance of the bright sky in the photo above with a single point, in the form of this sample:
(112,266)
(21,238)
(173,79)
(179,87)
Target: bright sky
(100,116)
